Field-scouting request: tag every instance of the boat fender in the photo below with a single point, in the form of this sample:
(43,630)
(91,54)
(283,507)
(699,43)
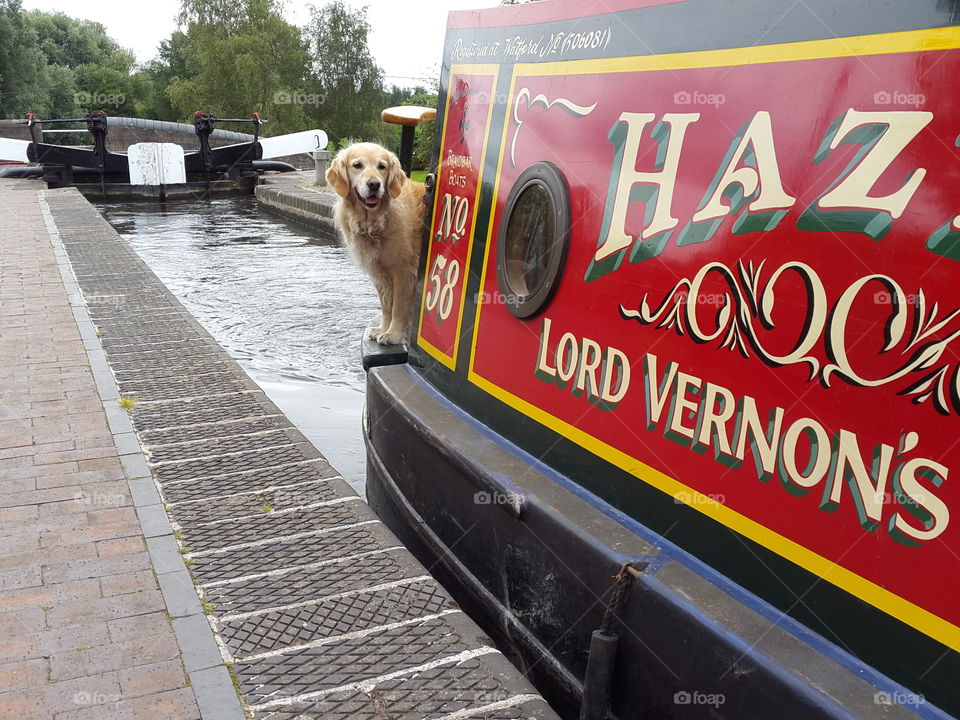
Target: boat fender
(603,649)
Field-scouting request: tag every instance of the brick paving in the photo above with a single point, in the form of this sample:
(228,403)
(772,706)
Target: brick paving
(84,630)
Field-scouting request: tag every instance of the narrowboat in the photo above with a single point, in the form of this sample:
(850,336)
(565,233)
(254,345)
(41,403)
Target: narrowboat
(682,401)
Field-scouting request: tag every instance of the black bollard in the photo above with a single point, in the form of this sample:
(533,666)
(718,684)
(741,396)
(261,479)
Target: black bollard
(406,148)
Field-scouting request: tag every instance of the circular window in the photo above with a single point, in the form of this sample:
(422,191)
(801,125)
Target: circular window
(532,243)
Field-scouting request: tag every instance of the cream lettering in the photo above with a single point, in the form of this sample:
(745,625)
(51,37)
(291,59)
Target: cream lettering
(602,374)
(802,453)
(661,182)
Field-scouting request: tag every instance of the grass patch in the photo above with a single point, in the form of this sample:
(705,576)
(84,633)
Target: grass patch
(236,684)
(183,554)
(127,402)
(418,175)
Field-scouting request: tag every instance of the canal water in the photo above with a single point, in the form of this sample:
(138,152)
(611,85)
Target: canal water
(287,304)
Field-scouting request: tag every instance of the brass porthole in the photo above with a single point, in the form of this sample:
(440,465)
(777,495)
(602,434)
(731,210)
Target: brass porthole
(533,238)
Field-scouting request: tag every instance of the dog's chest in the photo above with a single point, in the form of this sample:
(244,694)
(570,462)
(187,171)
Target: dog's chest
(368,228)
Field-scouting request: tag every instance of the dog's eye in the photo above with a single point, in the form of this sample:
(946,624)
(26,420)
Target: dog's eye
(381,166)
(358,164)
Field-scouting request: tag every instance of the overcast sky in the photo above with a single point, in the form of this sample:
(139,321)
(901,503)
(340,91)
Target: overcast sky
(407,37)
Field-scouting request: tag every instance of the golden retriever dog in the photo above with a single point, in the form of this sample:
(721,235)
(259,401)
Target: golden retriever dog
(380,213)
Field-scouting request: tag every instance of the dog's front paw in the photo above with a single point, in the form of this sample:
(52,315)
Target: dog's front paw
(390,338)
(375,332)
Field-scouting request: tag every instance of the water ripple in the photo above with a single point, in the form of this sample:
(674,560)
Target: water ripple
(290,306)
(272,294)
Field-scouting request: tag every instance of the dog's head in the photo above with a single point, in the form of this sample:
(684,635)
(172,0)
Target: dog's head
(366,173)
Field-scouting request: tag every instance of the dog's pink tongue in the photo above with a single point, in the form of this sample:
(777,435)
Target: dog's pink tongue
(371,201)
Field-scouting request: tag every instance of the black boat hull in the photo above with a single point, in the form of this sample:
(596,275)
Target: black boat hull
(535,561)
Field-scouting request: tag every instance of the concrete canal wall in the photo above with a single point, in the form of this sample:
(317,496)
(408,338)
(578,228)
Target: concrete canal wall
(318,607)
(310,206)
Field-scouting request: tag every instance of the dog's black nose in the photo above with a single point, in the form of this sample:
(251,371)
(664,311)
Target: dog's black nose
(373,184)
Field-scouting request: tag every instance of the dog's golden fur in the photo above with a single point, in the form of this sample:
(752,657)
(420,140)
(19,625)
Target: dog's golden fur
(380,213)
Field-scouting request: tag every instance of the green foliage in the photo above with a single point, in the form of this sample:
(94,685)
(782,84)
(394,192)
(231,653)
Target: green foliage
(69,42)
(109,85)
(56,66)
(423,141)
(23,77)
(344,74)
(170,63)
(229,58)
(58,94)
(238,58)
(85,69)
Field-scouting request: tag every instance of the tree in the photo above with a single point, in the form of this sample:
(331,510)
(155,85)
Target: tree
(170,63)
(60,94)
(23,77)
(241,57)
(71,42)
(86,69)
(346,78)
(57,66)
(109,85)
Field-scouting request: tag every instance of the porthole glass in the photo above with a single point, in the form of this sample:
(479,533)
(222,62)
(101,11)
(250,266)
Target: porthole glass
(533,238)
(530,232)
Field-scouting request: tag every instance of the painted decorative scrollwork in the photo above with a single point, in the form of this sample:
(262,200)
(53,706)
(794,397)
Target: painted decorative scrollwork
(745,315)
(540,99)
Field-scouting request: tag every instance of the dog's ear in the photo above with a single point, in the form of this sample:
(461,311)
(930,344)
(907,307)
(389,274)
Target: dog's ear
(337,174)
(396,176)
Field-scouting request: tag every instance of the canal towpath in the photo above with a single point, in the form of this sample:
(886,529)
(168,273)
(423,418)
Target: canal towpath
(171,545)
(86,628)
